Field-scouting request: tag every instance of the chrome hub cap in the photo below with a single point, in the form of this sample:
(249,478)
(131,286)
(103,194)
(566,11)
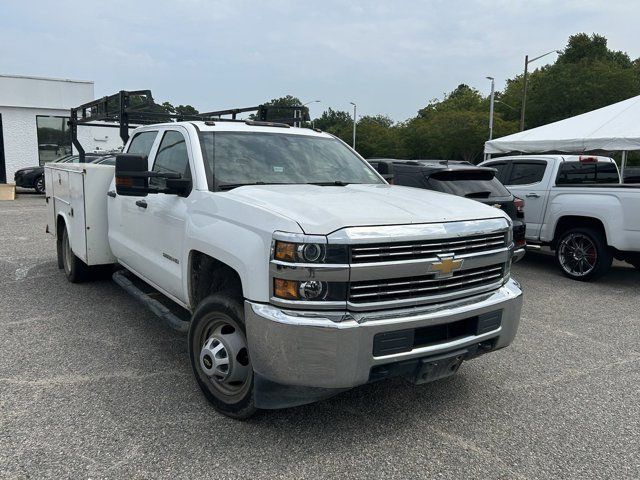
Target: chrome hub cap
(224,358)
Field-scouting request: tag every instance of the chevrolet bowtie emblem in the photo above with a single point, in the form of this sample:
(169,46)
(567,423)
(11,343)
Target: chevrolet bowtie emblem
(446,266)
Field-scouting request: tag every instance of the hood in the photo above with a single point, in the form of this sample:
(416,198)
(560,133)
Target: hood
(28,169)
(324,209)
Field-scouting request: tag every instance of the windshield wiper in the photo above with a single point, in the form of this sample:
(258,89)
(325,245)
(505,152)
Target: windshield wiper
(482,194)
(230,186)
(335,183)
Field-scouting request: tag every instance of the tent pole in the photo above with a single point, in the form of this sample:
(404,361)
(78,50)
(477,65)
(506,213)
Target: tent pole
(623,164)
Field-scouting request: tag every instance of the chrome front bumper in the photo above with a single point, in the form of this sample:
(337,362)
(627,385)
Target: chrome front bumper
(335,350)
(518,254)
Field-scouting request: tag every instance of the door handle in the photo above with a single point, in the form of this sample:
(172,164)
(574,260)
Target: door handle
(111,194)
(532,195)
(141,203)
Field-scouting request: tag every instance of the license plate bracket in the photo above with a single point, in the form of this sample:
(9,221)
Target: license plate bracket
(434,368)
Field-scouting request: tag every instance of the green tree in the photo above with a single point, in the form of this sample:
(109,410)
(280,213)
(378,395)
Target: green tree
(377,136)
(281,114)
(454,128)
(186,110)
(462,98)
(586,76)
(336,122)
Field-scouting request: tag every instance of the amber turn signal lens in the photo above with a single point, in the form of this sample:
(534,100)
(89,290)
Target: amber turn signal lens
(287,289)
(124,182)
(285,251)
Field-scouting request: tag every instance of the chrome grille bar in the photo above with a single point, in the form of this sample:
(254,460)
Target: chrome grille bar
(416,250)
(416,286)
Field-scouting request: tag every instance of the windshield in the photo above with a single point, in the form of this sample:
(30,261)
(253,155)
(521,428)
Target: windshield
(244,158)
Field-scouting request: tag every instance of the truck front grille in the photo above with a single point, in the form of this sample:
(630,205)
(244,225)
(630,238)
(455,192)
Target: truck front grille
(424,286)
(386,252)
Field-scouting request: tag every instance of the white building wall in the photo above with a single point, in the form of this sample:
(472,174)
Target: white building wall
(23,98)
(38,92)
(21,137)
(95,139)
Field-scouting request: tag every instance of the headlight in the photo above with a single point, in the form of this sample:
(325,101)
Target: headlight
(309,290)
(309,252)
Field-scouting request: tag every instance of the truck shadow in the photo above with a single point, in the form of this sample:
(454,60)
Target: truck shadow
(380,409)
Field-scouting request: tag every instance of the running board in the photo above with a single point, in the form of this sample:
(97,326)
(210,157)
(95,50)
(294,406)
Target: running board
(150,297)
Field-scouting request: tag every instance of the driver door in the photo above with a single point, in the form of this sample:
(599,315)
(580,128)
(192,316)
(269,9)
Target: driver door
(164,216)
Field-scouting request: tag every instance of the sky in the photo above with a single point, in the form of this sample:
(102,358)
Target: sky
(389,58)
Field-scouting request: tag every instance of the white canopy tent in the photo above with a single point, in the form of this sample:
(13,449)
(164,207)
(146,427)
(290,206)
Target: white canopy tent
(615,127)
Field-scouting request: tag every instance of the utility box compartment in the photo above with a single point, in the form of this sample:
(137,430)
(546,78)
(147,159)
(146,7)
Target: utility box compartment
(77,193)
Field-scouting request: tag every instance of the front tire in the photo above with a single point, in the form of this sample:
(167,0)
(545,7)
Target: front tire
(219,355)
(582,254)
(39,184)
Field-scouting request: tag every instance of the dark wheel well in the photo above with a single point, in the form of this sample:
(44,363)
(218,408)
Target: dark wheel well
(208,276)
(574,221)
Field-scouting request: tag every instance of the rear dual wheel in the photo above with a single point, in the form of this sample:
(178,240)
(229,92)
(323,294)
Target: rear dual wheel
(75,269)
(583,254)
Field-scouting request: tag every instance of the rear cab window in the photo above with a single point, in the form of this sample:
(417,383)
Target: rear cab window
(572,173)
(502,170)
(477,184)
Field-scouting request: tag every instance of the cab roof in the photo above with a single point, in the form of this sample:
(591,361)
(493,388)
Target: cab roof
(248,126)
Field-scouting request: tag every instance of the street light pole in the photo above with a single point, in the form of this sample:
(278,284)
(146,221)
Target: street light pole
(525,80)
(354,125)
(493,85)
(524,92)
(299,113)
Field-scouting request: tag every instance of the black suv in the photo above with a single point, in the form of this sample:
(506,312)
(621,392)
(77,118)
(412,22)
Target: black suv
(458,178)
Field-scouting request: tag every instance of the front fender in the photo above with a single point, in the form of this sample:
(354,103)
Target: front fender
(236,234)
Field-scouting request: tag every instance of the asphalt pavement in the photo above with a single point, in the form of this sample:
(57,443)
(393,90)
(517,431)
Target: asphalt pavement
(92,385)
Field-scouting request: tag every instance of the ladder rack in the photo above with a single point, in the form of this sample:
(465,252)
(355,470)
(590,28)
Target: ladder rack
(129,109)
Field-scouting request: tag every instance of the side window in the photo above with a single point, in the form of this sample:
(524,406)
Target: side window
(142,143)
(502,169)
(172,157)
(525,173)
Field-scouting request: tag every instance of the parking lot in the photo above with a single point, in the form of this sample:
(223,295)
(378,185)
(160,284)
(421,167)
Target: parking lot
(93,385)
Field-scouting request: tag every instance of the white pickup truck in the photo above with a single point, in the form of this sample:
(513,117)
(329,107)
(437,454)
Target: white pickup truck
(578,207)
(302,271)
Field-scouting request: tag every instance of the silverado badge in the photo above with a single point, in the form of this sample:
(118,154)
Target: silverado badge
(446,265)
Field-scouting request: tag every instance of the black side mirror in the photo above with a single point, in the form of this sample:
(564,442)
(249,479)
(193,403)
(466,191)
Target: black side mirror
(179,186)
(132,177)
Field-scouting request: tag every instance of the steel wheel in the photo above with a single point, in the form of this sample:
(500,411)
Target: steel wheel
(577,254)
(224,358)
(74,268)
